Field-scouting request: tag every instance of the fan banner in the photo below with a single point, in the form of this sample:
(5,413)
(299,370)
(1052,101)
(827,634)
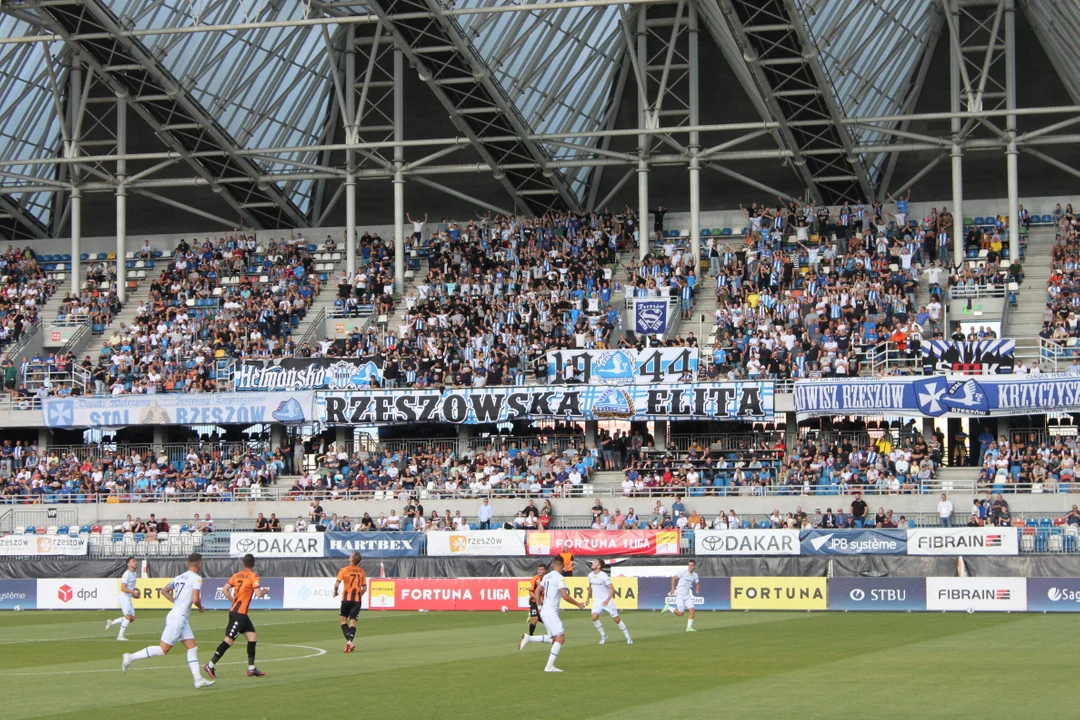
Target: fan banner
(308,373)
(984,357)
(291,408)
(622,367)
(938,396)
(744,400)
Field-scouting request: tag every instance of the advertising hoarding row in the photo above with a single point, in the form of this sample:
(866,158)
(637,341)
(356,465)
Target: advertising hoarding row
(915,541)
(644,592)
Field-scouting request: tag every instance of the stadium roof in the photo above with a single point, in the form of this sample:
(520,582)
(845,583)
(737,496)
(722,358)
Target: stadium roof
(217,87)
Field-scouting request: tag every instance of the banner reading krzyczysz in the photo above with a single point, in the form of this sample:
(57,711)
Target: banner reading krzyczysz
(622,367)
(178,409)
(373,544)
(938,396)
(473,406)
(308,373)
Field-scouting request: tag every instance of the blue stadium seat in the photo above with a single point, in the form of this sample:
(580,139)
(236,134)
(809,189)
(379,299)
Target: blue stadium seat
(62,530)
(84,256)
(980,220)
(31,530)
(725,231)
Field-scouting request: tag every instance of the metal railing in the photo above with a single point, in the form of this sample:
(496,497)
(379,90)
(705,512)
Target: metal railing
(978,292)
(82,329)
(317,326)
(12,352)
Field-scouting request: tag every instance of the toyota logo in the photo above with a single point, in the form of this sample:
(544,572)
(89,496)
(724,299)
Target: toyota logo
(245,544)
(712,542)
(858,595)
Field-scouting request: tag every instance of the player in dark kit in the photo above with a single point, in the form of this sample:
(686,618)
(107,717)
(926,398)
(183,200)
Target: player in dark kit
(242,587)
(534,610)
(354,579)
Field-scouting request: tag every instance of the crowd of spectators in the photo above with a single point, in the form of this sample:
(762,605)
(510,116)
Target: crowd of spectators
(32,476)
(24,289)
(834,468)
(1061,321)
(1028,464)
(438,472)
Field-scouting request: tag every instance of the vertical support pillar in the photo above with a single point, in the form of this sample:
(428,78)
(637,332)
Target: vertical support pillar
(957,152)
(350,155)
(76,238)
(341,437)
(592,429)
(643,140)
(76,193)
(121,199)
(660,434)
(42,440)
(399,176)
(695,142)
(159,438)
(791,431)
(1011,152)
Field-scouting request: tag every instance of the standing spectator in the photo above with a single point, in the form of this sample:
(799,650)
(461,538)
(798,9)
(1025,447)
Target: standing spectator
(298,457)
(858,510)
(483,515)
(945,511)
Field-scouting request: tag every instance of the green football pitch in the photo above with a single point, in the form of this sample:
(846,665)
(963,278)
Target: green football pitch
(467,665)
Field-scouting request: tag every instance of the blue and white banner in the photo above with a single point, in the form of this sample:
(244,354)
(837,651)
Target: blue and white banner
(650,316)
(854,542)
(1053,594)
(938,396)
(622,367)
(308,373)
(373,544)
(984,357)
(214,597)
(882,593)
(21,594)
(474,406)
(178,409)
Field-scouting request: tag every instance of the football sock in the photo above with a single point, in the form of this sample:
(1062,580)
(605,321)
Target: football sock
(532,628)
(690,623)
(117,621)
(345,630)
(350,635)
(193,662)
(251,655)
(152,651)
(599,627)
(555,648)
(221,650)
(123,626)
(540,639)
(622,626)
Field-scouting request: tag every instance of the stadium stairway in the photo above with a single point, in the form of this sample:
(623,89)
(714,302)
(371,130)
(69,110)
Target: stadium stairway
(1025,320)
(91,343)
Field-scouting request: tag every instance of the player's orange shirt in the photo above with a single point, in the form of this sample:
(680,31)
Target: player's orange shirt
(532,585)
(353,578)
(244,585)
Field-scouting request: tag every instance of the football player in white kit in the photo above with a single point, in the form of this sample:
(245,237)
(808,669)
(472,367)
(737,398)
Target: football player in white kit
(184,591)
(602,596)
(550,592)
(681,586)
(127,594)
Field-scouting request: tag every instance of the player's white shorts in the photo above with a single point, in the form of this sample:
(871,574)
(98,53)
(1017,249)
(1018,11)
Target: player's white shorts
(127,607)
(684,601)
(552,622)
(176,630)
(610,608)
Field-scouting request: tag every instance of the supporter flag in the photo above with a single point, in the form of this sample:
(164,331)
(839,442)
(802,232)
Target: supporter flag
(650,317)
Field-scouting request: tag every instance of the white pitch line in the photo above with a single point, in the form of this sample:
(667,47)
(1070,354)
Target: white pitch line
(318,653)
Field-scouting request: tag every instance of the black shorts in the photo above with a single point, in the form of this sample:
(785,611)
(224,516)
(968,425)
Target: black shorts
(534,611)
(239,623)
(350,609)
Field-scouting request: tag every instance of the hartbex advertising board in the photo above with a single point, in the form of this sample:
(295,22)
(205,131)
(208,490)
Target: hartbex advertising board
(979,594)
(373,544)
(862,594)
